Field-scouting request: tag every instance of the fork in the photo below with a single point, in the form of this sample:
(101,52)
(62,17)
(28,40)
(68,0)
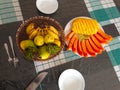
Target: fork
(6,48)
(15,59)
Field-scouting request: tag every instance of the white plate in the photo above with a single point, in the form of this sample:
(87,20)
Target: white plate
(68,29)
(47,6)
(71,79)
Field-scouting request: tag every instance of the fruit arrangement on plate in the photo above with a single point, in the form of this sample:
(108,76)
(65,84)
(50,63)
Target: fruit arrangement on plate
(40,38)
(85,37)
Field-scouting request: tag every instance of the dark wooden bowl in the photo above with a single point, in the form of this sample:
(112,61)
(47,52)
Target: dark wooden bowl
(39,20)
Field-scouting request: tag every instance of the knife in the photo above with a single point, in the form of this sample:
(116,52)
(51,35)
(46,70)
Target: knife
(36,82)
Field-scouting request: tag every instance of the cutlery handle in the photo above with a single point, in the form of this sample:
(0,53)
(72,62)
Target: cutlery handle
(11,44)
(6,48)
(36,82)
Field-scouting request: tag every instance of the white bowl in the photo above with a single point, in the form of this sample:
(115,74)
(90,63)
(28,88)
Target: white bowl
(47,6)
(71,79)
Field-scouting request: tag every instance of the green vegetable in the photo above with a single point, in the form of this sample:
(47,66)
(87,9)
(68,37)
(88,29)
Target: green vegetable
(83,37)
(29,52)
(52,48)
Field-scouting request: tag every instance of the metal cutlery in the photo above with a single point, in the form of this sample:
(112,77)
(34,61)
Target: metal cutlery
(36,82)
(6,48)
(15,59)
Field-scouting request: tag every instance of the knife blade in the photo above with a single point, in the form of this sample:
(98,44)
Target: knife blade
(36,82)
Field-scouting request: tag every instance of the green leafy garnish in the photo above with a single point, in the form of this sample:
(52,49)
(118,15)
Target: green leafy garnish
(83,37)
(52,48)
(29,53)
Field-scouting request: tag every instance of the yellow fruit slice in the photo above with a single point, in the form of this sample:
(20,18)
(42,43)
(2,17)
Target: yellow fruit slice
(57,42)
(49,39)
(53,34)
(33,34)
(54,29)
(29,28)
(39,40)
(26,43)
(85,26)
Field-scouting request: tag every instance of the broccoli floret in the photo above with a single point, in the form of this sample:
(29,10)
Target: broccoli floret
(52,48)
(30,52)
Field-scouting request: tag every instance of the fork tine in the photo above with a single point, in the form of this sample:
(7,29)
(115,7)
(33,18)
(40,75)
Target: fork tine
(11,44)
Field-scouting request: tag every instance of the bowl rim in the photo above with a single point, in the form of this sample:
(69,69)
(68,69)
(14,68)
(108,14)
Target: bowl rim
(68,73)
(25,22)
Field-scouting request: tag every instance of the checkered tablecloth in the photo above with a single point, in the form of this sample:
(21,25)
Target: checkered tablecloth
(10,11)
(104,11)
